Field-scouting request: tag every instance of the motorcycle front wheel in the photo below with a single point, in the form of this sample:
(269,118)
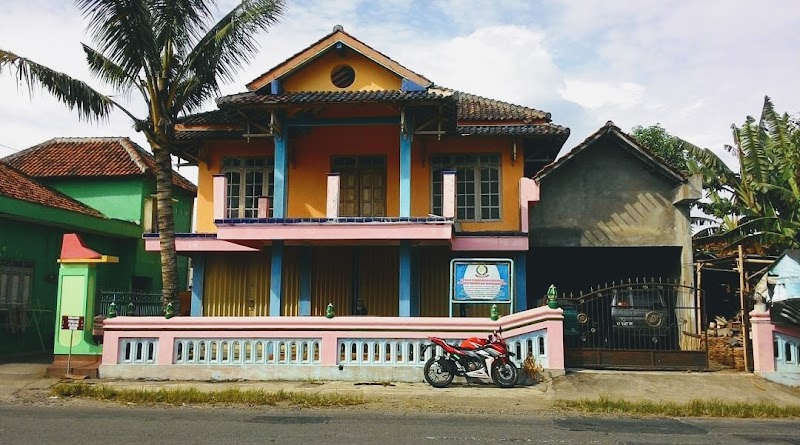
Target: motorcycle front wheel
(437,375)
(505,374)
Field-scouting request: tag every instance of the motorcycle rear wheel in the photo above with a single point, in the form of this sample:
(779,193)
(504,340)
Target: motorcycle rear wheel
(505,375)
(436,375)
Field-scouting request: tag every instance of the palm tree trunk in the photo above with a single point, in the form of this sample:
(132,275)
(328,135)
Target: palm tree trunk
(166,225)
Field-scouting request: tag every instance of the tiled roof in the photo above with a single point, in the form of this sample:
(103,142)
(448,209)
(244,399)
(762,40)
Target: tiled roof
(308,97)
(629,143)
(90,157)
(17,185)
(515,130)
(477,108)
(214,116)
(183,136)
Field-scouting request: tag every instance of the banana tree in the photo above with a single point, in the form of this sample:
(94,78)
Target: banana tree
(760,204)
(173,54)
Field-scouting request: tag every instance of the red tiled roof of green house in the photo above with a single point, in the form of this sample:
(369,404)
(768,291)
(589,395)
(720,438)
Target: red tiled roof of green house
(16,185)
(89,157)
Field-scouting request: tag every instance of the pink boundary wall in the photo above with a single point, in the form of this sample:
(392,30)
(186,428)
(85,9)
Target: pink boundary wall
(763,331)
(330,330)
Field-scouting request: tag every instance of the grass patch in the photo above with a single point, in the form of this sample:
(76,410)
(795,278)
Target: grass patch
(695,408)
(192,396)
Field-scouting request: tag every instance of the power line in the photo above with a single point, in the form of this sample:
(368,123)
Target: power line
(10,148)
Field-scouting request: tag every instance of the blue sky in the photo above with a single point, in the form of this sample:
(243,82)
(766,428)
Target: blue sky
(696,67)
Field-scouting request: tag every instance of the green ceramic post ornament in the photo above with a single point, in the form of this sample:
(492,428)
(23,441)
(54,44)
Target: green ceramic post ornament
(329,311)
(494,314)
(169,312)
(131,309)
(112,310)
(552,302)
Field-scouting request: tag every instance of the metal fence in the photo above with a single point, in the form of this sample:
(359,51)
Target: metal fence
(132,303)
(639,314)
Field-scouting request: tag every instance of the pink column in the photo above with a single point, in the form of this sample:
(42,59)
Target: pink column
(220,197)
(332,208)
(329,354)
(555,343)
(263,207)
(763,338)
(110,348)
(166,347)
(449,194)
(528,192)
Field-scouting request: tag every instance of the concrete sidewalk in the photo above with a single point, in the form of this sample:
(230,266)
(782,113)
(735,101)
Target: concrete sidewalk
(25,383)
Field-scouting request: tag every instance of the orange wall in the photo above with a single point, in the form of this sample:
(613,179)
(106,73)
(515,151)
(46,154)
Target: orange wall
(317,75)
(308,180)
(310,162)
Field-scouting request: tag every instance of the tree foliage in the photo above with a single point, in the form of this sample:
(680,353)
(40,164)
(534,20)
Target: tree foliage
(757,206)
(173,54)
(666,146)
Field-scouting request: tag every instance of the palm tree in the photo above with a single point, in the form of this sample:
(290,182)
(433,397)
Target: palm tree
(760,204)
(173,54)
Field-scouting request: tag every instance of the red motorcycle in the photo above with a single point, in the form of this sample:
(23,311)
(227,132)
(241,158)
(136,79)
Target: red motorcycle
(487,360)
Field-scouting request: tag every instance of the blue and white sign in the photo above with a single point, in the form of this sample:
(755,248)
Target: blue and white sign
(481,280)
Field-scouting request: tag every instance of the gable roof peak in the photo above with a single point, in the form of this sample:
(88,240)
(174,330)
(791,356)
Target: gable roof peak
(627,142)
(322,46)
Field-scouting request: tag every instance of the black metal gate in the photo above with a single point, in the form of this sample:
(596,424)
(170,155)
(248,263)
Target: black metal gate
(635,325)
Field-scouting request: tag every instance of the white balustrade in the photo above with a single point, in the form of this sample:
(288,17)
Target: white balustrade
(787,357)
(138,350)
(243,351)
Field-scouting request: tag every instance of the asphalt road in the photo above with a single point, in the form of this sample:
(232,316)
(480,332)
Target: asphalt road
(23,425)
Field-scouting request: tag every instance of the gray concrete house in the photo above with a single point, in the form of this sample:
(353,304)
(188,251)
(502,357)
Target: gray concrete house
(610,210)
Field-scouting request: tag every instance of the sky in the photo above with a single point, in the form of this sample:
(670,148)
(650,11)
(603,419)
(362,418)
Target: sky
(695,67)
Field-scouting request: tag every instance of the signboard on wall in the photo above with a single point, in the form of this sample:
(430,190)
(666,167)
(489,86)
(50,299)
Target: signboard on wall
(481,280)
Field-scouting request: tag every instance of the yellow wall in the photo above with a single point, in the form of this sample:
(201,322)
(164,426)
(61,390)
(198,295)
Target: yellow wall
(316,76)
(205,188)
(510,172)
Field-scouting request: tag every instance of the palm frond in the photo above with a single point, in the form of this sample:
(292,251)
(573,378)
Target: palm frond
(123,31)
(224,49)
(111,73)
(75,94)
(180,22)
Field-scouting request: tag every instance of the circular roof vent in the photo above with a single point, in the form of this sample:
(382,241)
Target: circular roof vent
(343,75)
(338,28)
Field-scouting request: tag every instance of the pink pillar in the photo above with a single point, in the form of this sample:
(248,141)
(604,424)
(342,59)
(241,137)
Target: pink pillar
(449,194)
(332,208)
(528,192)
(763,338)
(166,347)
(555,343)
(220,197)
(263,207)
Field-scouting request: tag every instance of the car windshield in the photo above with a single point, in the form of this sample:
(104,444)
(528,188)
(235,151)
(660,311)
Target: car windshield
(641,299)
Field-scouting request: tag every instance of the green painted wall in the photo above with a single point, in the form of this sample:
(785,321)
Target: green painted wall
(119,198)
(42,245)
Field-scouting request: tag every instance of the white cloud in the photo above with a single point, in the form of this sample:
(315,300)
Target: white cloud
(694,67)
(594,95)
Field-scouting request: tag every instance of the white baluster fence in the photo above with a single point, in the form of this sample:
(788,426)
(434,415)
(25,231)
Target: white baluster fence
(298,348)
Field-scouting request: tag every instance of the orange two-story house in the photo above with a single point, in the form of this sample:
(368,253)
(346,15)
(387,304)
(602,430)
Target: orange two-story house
(342,177)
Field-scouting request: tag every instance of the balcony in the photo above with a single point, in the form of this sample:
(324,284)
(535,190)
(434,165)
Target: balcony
(331,228)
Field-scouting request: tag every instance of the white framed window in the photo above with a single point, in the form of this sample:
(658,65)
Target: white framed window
(478,191)
(248,179)
(16,279)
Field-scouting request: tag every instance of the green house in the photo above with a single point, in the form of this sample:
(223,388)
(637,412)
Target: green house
(101,188)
